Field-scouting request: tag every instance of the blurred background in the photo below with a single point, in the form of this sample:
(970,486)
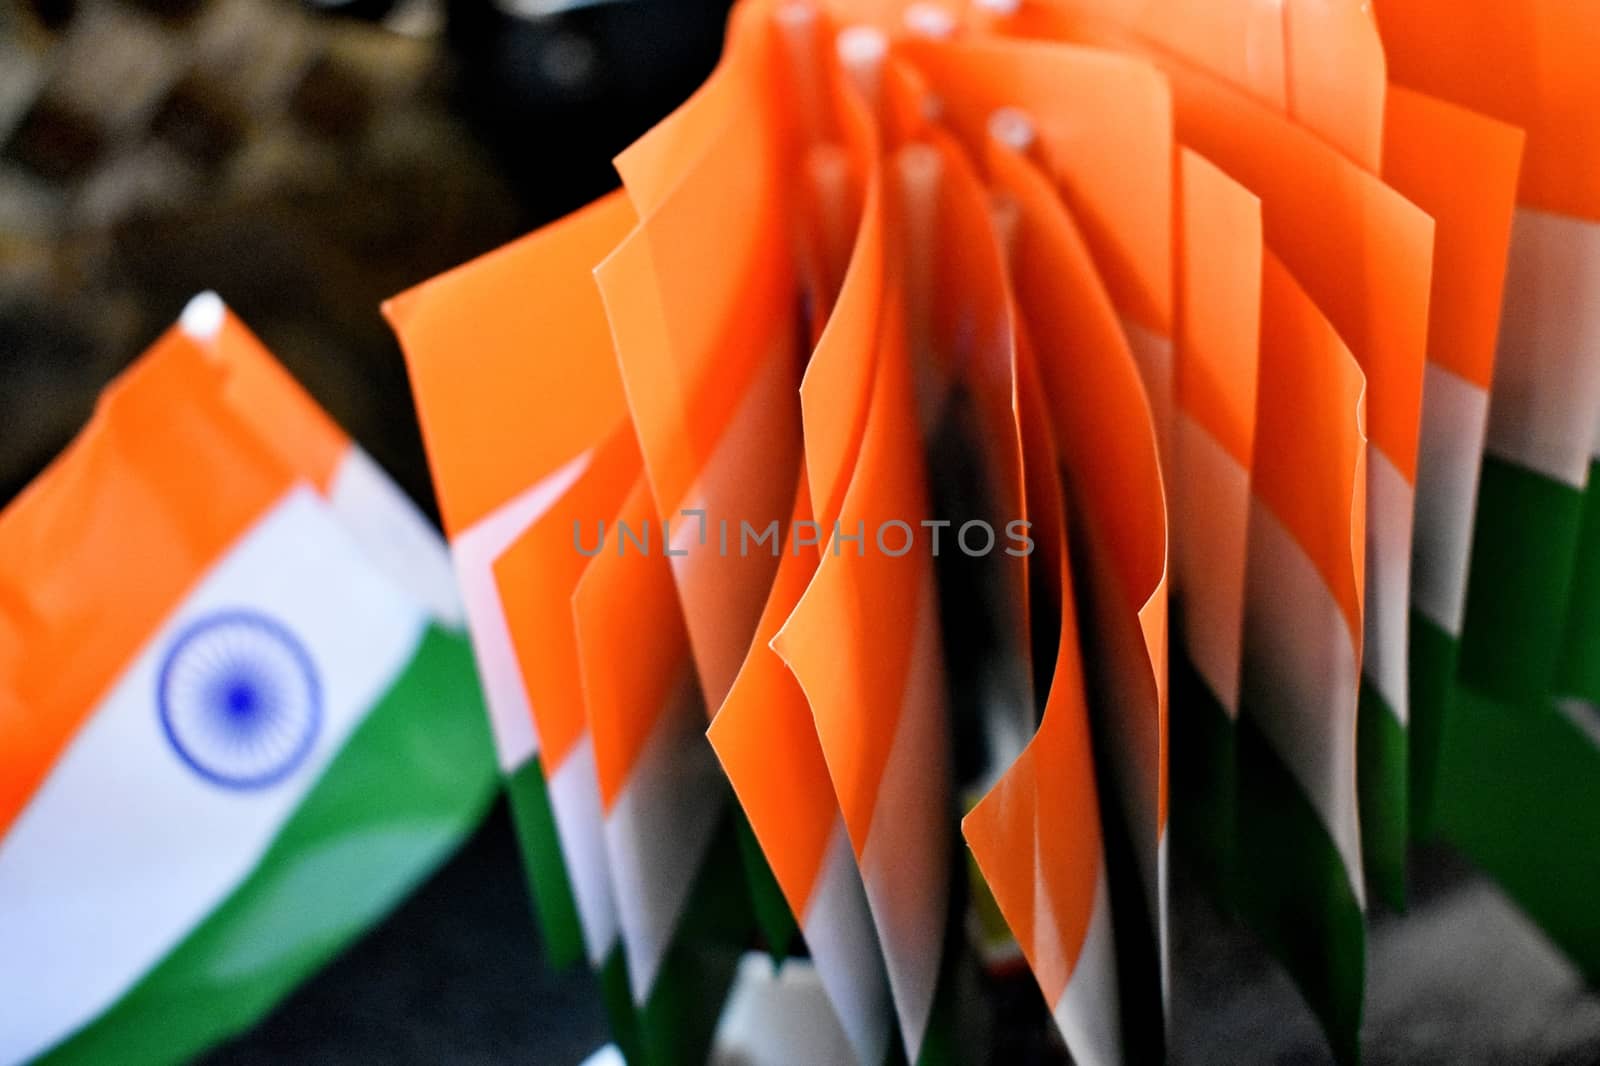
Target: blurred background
(307,160)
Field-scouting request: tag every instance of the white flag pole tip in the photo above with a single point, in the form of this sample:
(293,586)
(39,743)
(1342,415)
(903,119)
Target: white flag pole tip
(929,20)
(862,50)
(1013,128)
(202,316)
(798,14)
(797,26)
(828,173)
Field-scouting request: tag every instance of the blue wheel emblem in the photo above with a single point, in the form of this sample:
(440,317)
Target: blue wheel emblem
(239,699)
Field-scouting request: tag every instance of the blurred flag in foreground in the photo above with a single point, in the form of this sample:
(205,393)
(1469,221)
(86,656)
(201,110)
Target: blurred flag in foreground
(238,718)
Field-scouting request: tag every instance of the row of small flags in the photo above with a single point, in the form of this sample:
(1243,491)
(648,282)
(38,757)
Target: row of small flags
(1272,333)
(1233,305)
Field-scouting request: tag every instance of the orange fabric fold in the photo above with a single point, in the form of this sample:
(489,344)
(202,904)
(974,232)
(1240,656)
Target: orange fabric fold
(1531,64)
(489,341)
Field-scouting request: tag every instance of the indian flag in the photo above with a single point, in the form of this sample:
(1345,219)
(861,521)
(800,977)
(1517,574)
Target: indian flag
(661,793)
(1543,410)
(1546,394)
(1218,352)
(237,650)
(1462,169)
(1300,882)
(526,427)
(682,911)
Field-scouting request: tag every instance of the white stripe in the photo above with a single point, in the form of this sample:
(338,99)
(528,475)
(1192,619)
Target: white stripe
(575,803)
(905,863)
(1211,510)
(203,316)
(395,535)
(1545,402)
(1089,1012)
(1391,503)
(1153,354)
(838,930)
(474,551)
(1300,680)
(1455,416)
(658,831)
(125,846)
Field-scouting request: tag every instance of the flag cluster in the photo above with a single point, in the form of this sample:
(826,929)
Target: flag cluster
(939,363)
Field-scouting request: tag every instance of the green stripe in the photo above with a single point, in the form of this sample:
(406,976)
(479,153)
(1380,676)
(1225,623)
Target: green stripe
(616,993)
(1294,892)
(555,907)
(1381,781)
(1524,546)
(960,1009)
(1519,793)
(1204,779)
(773,917)
(678,1020)
(409,784)
(680,1017)
(676,1024)
(553,903)
(1579,670)
(1435,655)
(954,1016)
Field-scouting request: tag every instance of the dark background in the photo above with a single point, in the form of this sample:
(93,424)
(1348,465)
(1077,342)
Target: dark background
(307,163)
